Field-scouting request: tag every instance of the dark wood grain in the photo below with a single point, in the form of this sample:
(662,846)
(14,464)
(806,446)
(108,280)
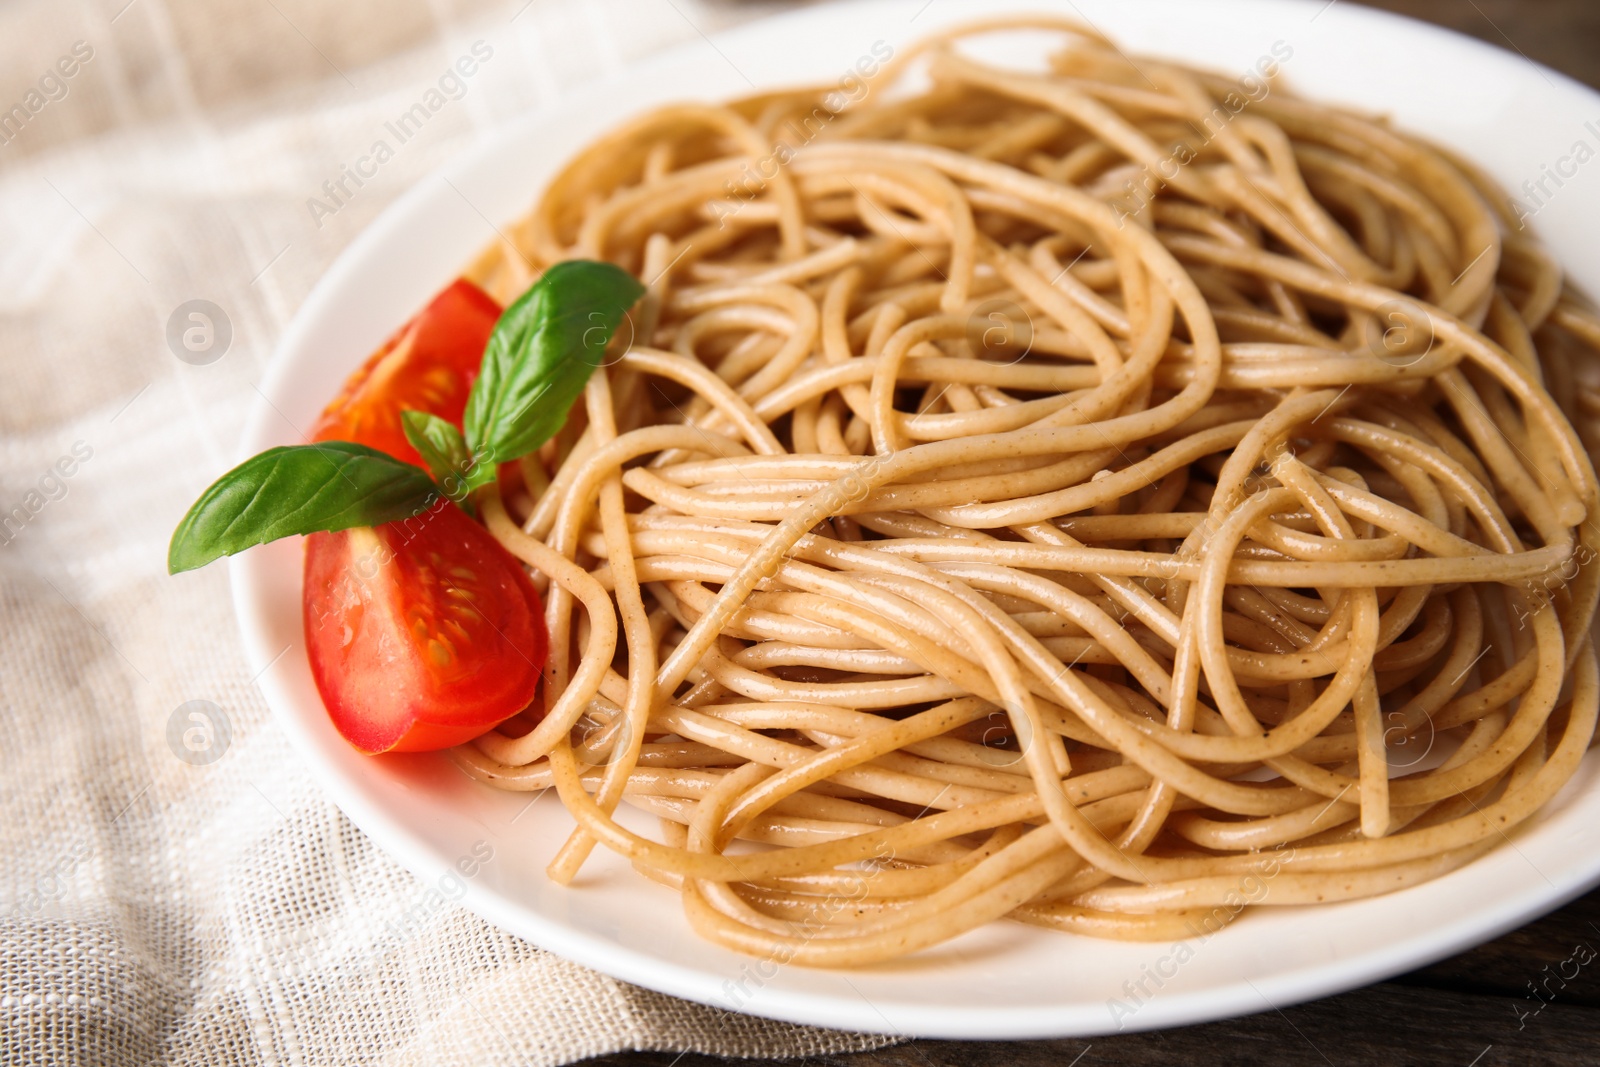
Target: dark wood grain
(1524,998)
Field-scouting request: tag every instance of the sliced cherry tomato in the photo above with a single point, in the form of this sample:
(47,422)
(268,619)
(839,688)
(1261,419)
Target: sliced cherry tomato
(423,633)
(428,365)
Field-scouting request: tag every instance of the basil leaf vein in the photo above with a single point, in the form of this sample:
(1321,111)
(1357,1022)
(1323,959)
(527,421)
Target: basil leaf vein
(297,489)
(541,354)
(441,447)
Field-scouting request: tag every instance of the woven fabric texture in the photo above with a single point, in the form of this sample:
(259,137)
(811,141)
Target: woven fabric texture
(173,888)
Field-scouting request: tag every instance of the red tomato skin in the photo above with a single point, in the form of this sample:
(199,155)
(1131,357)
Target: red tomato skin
(422,633)
(429,364)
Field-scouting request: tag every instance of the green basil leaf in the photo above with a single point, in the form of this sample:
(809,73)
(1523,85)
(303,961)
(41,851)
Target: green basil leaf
(441,447)
(445,451)
(298,489)
(480,475)
(541,354)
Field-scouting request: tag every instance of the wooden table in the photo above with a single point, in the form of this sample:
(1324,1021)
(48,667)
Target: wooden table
(1478,1009)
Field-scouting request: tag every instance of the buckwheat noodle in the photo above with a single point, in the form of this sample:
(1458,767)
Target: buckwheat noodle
(989,517)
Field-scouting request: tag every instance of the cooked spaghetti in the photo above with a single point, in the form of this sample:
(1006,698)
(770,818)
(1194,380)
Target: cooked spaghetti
(1061,495)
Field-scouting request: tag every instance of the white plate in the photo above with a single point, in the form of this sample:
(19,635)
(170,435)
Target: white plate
(1008,980)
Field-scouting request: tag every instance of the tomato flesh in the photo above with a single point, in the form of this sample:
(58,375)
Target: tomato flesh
(428,365)
(423,633)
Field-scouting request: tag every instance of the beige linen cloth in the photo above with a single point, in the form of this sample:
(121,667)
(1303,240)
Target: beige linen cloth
(175,889)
